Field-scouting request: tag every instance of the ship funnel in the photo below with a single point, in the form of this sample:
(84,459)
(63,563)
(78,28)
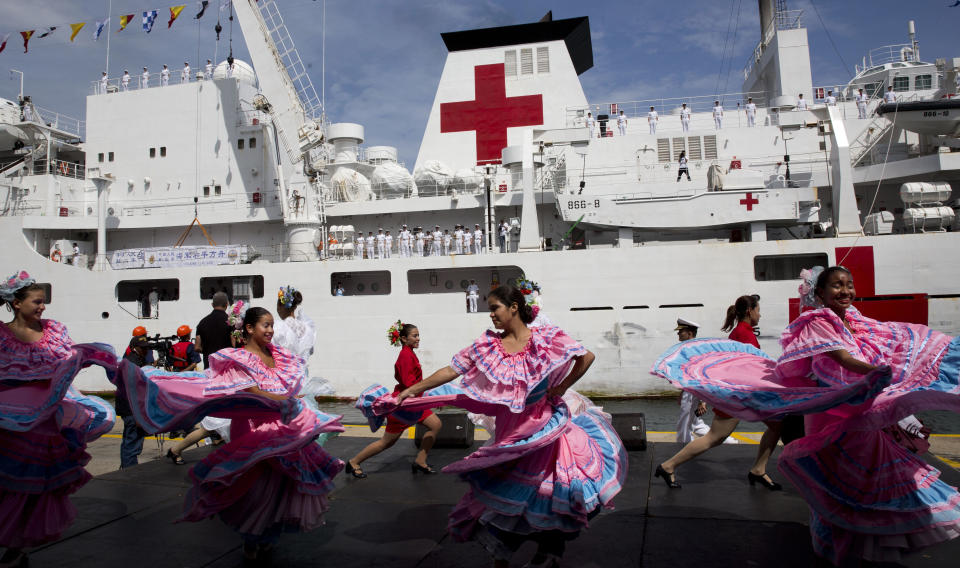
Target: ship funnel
(346,138)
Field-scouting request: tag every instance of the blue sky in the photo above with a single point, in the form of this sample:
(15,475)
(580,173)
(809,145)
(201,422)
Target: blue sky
(384,57)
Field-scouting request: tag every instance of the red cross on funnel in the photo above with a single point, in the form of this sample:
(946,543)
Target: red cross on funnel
(750,201)
(491,113)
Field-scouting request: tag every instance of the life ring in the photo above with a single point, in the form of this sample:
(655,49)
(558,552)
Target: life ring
(55,256)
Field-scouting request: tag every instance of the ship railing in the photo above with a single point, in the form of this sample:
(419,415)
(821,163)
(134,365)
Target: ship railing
(252,118)
(668,109)
(137,81)
(60,168)
(879,56)
(59,121)
(782,20)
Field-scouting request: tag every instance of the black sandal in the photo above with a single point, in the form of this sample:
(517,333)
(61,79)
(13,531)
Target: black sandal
(355,471)
(177,459)
(417,468)
(669,478)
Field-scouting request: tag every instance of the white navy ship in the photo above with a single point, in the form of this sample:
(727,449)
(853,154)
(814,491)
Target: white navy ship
(279,195)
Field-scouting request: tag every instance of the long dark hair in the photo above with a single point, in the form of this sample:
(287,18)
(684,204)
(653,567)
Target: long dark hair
(252,316)
(738,311)
(512,295)
(21,294)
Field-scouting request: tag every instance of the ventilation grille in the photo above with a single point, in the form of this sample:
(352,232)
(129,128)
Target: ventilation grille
(526,61)
(510,63)
(663,149)
(693,148)
(543,60)
(678,146)
(710,147)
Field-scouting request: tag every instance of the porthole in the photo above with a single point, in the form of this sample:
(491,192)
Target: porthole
(463,284)
(448,284)
(104,315)
(375,286)
(360,287)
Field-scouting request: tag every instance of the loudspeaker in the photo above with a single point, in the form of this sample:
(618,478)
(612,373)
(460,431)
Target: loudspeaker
(632,429)
(457,430)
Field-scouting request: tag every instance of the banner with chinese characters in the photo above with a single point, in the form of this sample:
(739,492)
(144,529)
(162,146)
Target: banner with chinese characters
(173,257)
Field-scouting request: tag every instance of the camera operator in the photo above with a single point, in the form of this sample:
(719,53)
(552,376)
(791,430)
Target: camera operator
(140,331)
(132,444)
(183,354)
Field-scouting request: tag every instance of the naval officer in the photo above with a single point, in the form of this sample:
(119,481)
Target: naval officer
(104,80)
(164,76)
(801,102)
(889,96)
(458,240)
(717,115)
(685,117)
(830,100)
(751,108)
(387,244)
(144,79)
(125,81)
(185,73)
(447,238)
(478,237)
(861,104)
(473,294)
(208,70)
(652,119)
(691,409)
(381,239)
(467,241)
(418,234)
(436,243)
(370,242)
(591,125)
(622,123)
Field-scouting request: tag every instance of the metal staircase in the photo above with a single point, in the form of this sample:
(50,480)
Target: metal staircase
(877,130)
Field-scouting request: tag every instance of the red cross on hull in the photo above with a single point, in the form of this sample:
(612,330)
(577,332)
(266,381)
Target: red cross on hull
(491,113)
(750,201)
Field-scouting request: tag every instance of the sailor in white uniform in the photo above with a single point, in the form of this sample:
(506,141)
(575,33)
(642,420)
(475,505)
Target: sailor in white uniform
(387,245)
(802,103)
(473,294)
(447,238)
(861,104)
(125,81)
(591,125)
(144,79)
(622,123)
(404,242)
(208,70)
(717,115)
(420,237)
(436,243)
(830,100)
(691,409)
(104,80)
(185,73)
(685,117)
(369,242)
(165,76)
(458,240)
(477,239)
(358,246)
(381,239)
(889,96)
(467,241)
(751,108)
(652,119)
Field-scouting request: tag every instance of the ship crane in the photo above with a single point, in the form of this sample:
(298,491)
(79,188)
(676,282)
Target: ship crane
(287,96)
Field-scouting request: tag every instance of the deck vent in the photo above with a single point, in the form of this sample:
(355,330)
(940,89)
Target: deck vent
(678,146)
(710,147)
(694,151)
(663,150)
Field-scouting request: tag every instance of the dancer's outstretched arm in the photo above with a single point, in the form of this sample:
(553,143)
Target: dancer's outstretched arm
(441,377)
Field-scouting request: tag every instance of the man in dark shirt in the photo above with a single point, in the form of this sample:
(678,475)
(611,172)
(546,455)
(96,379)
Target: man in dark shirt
(132,444)
(213,331)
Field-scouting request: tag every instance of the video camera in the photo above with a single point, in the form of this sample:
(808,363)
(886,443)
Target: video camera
(164,348)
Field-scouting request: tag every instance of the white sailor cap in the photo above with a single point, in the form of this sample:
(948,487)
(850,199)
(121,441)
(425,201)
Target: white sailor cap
(437,226)
(476,224)
(685,323)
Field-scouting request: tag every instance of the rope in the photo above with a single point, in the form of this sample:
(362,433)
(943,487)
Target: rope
(830,37)
(723,53)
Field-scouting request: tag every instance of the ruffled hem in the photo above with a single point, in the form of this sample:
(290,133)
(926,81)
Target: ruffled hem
(494,376)
(54,344)
(33,520)
(237,369)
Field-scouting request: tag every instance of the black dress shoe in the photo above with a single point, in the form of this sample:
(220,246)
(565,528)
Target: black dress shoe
(417,468)
(669,478)
(355,471)
(771,485)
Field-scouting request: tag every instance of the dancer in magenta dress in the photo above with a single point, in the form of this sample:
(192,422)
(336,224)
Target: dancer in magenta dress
(270,477)
(852,377)
(548,469)
(45,424)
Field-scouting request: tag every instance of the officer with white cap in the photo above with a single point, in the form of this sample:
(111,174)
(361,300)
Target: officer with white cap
(420,238)
(404,242)
(477,239)
(622,123)
(447,239)
(185,73)
(381,240)
(591,125)
(751,108)
(467,241)
(889,96)
(473,294)
(164,76)
(125,80)
(458,240)
(104,80)
(685,117)
(861,104)
(369,242)
(144,79)
(436,241)
(691,409)
(387,245)
(717,115)
(208,70)
(652,119)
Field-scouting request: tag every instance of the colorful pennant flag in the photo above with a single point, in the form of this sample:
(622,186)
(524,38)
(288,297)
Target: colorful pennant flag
(49,31)
(100,25)
(124,20)
(203,8)
(76,29)
(26,39)
(148,19)
(3,44)
(174,13)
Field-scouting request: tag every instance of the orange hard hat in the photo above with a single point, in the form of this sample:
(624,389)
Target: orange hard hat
(139,330)
(183,330)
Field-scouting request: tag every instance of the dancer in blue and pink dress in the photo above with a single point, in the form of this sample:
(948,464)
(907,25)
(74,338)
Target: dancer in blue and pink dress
(45,424)
(853,377)
(270,477)
(548,469)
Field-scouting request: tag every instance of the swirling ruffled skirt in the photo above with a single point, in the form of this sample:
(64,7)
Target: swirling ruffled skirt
(869,496)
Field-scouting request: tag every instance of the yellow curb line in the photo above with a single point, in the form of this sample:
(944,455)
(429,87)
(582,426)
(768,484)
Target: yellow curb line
(948,461)
(739,436)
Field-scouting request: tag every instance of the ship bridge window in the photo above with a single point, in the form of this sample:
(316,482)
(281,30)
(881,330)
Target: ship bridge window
(510,63)
(785,266)
(252,143)
(366,283)
(870,89)
(163,151)
(240,144)
(923,82)
(153,152)
(109,156)
(457,280)
(901,84)
(100,157)
(143,298)
(244,287)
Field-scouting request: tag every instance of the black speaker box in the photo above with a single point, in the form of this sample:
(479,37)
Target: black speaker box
(457,430)
(632,429)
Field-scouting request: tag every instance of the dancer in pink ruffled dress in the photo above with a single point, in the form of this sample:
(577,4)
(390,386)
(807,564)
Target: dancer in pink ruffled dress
(853,377)
(270,477)
(45,424)
(548,469)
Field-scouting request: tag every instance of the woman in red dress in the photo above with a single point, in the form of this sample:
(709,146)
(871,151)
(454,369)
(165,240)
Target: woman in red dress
(745,313)
(407,372)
